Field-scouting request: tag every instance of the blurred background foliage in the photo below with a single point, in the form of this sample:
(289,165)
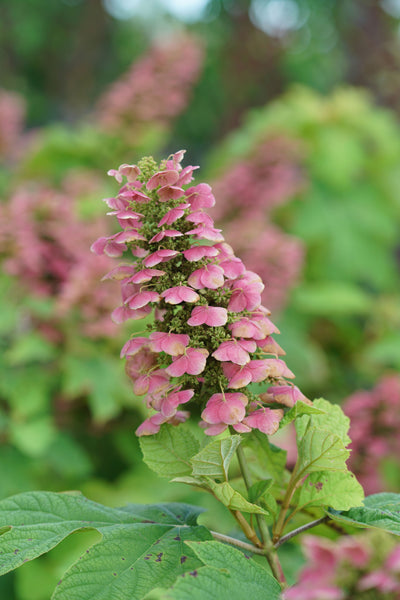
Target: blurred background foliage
(291,107)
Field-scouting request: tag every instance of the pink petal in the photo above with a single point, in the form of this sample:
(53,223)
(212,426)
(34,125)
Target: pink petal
(198,252)
(159,256)
(142,299)
(169,192)
(173,344)
(200,196)
(162,178)
(264,419)
(133,346)
(180,293)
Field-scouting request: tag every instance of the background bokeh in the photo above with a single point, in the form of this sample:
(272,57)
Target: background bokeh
(291,107)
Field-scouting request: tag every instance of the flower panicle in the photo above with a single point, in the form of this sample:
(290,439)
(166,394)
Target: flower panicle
(211,336)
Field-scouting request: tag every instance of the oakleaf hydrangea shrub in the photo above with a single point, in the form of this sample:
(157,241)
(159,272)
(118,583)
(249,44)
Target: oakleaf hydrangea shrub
(211,336)
(207,348)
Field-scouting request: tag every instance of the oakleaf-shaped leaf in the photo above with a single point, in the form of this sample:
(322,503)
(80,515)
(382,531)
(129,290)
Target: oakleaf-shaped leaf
(337,489)
(320,450)
(168,452)
(141,547)
(232,499)
(332,418)
(214,459)
(227,575)
(381,511)
(299,409)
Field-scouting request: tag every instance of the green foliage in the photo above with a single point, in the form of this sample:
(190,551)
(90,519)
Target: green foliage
(231,498)
(322,455)
(299,409)
(169,452)
(265,460)
(380,511)
(141,546)
(347,216)
(337,489)
(226,574)
(214,459)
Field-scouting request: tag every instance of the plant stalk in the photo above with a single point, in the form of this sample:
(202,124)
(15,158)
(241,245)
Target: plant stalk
(269,550)
(238,543)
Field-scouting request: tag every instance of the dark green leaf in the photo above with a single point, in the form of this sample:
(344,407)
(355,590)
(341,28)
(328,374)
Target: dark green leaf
(141,547)
(381,511)
(228,575)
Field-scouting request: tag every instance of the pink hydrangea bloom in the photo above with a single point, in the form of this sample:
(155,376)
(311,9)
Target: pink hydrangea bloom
(154,90)
(223,342)
(236,351)
(181,293)
(375,423)
(214,316)
(210,276)
(173,344)
(345,569)
(192,361)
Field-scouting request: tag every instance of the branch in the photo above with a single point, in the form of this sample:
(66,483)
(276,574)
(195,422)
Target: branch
(301,529)
(234,542)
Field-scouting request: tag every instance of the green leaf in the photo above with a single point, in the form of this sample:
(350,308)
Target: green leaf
(380,511)
(332,419)
(214,459)
(168,452)
(232,499)
(265,460)
(228,575)
(336,489)
(299,409)
(141,546)
(320,450)
(258,489)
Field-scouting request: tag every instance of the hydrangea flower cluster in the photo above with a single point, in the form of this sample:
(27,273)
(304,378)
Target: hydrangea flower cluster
(211,335)
(350,568)
(375,418)
(248,191)
(155,89)
(44,243)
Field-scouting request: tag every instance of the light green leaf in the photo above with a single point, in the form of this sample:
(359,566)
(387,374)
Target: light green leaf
(320,450)
(228,575)
(299,409)
(214,459)
(333,419)
(169,452)
(232,499)
(264,459)
(380,511)
(339,490)
(141,546)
